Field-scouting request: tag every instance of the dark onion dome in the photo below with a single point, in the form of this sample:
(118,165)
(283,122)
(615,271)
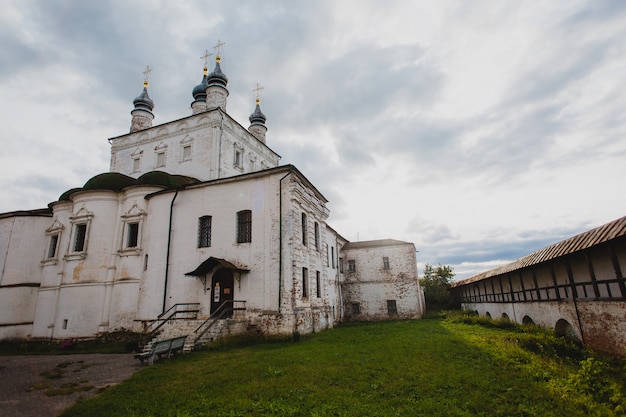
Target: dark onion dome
(199,91)
(143,100)
(113,181)
(217,77)
(257,117)
(166,180)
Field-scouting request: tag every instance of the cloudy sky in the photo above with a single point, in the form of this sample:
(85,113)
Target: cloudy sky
(479,130)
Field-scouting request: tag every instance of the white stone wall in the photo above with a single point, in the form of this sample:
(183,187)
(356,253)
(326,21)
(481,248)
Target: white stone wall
(213,138)
(23,244)
(372,285)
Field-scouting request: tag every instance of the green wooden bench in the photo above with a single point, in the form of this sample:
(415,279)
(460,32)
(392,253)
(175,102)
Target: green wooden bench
(162,347)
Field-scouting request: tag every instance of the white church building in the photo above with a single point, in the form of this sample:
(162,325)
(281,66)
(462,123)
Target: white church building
(196,217)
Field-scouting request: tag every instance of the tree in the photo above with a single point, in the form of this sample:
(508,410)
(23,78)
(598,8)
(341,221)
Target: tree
(436,285)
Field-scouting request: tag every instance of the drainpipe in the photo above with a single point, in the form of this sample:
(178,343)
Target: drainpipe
(280,240)
(167,256)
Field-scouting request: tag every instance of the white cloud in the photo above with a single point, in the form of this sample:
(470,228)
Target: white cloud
(476,130)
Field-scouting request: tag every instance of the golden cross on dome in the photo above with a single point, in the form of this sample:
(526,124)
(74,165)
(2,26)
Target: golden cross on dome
(217,48)
(206,57)
(257,90)
(147,75)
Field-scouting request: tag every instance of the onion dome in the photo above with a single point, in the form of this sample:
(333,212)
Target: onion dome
(199,91)
(217,77)
(143,100)
(257,117)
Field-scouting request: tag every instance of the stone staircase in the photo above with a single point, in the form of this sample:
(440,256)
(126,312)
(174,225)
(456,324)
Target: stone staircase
(221,328)
(181,320)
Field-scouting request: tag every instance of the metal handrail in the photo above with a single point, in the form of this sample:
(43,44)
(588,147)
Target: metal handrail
(171,314)
(227,306)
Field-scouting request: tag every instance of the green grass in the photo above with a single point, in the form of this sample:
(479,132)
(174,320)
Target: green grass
(430,367)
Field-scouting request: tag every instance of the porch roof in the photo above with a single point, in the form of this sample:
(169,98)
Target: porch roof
(208,265)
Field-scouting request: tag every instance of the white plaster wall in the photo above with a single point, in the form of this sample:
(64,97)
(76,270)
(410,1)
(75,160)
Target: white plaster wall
(23,245)
(211,135)
(18,306)
(371,285)
(82,306)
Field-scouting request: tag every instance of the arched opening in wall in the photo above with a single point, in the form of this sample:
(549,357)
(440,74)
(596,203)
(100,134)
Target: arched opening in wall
(488,315)
(505,317)
(564,329)
(527,321)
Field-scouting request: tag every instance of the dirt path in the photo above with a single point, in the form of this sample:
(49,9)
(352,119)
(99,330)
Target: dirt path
(28,384)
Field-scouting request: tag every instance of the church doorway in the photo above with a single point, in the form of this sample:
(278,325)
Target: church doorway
(222,290)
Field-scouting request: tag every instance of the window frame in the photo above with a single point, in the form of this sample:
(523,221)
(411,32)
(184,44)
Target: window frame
(80,219)
(304,220)
(205,225)
(52,233)
(317,236)
(132,235)
(159,150)
(134,216)
(318,284)
(351,265)
(305,282)
(386,262)
(244,226)
(238,156)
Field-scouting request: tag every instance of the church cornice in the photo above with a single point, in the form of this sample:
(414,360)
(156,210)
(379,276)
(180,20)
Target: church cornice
(168,130)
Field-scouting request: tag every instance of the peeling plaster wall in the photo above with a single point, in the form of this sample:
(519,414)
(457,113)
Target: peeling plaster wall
(371,285)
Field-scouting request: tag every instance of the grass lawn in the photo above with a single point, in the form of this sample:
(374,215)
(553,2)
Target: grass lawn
(430,367)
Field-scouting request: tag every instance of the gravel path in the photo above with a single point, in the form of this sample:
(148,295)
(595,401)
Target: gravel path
(27,383)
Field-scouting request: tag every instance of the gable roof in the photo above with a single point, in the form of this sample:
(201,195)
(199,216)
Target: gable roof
(585,240)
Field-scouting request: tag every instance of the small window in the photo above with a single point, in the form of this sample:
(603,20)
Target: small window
(204,231)
(132,237)
(318,284)
(385,262)
(244,226)
(238,159)
(160,162)
(332,255)
(187,153)
(341,265)
(391,307)
(317,236)
(304,231)
(52,248)
(355,308)
(79,237)
(351,265)
(305,282)
(136,164)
